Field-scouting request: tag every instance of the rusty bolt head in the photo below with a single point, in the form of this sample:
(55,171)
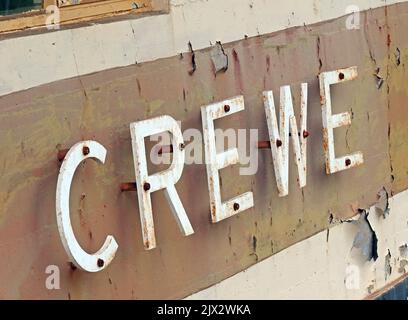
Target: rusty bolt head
(306,134)
(146,186)
(101,263)
(182,146)
(348,162)
(236,206)
(279,143)
(227,108)
(341,76)
(85,150)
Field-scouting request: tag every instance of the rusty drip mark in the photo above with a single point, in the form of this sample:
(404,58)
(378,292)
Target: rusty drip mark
(128,186)
(193,60)
(61,154)
(268,63)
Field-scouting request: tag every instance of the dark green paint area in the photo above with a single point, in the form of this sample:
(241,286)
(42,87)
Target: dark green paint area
(9,7)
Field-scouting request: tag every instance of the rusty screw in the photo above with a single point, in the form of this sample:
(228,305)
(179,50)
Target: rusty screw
(182,146)
(264,144)
(146,186)
(85,150)
(279,143)
(348,162)
(236,206)
(128,186)
(101,263)
(306,134)
(341,76)
(227,108)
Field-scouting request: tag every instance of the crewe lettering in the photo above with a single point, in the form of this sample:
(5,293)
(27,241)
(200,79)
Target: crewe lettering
(215,162)
(166,180)
(280,140)
(147,184)
(87,262)
(330,121)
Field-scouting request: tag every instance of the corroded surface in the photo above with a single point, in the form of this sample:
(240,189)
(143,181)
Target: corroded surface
(36,124)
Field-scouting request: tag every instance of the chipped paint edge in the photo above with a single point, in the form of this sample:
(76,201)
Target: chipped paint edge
(320,267)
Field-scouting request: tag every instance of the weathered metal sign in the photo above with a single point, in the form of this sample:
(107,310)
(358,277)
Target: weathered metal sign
(215,161)
(276,147)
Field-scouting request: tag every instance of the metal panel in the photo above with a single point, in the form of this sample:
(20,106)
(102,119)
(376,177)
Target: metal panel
(36,124)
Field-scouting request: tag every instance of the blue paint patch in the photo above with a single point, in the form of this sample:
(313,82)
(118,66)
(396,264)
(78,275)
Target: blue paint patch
(399,292)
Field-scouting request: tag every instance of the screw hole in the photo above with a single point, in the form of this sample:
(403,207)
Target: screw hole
(85,150)
(101,263)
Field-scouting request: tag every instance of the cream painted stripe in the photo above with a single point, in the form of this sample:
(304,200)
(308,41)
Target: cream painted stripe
(319,269)
(34,60)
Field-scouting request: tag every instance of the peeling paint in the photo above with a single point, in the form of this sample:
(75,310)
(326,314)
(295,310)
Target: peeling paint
(35,122)
(366,239)
(219,58)
(404,250)
(382,204)
(388,267)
